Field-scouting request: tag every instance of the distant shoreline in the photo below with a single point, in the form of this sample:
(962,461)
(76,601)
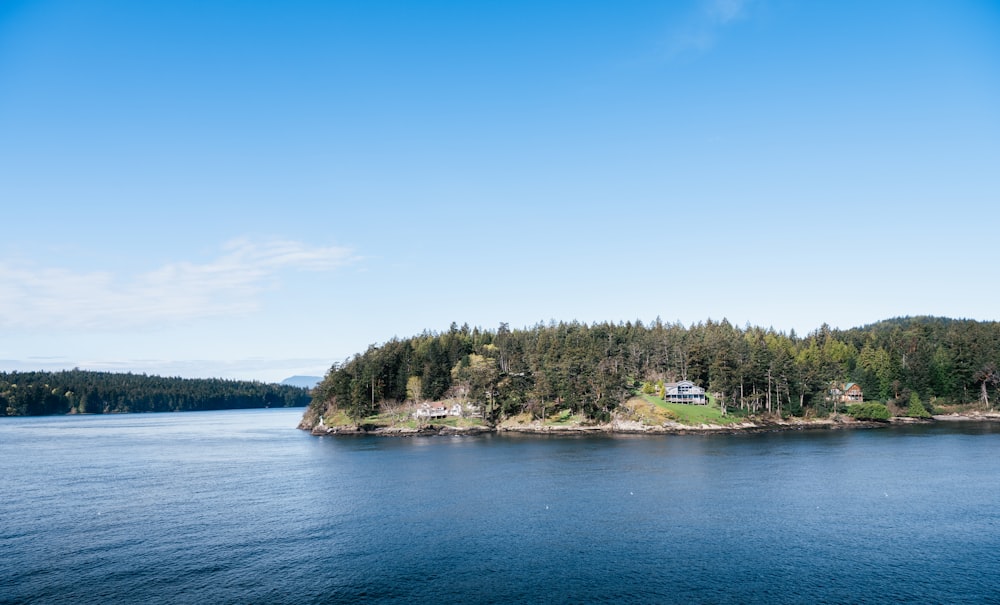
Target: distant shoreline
(635,428)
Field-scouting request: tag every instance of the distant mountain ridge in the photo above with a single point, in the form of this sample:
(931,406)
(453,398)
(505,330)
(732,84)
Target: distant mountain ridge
(305,382)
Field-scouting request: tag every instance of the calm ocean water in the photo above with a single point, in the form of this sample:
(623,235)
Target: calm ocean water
(239,507)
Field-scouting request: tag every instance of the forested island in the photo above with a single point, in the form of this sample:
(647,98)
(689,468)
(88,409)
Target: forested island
(86,392)
(618,374)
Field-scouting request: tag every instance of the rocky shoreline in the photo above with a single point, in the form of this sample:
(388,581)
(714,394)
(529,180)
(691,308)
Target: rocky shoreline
(626,427)
(397,431)
(969,417)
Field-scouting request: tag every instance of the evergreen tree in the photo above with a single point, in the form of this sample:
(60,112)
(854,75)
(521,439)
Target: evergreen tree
(916,408)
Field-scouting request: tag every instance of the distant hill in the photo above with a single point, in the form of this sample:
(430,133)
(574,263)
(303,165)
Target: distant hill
(86,392)
(305,382)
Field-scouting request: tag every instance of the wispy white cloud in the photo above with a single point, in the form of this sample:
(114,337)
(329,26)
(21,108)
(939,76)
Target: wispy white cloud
(703,29)
(231,283)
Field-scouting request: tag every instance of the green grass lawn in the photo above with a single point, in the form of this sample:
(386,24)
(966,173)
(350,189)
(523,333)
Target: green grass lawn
(692,414)
(564,417)
(413,423)
(457,422)
(401,420)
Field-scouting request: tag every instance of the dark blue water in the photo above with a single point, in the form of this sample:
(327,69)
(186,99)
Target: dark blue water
(239,507)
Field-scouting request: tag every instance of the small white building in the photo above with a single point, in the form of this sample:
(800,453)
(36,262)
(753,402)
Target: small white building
(684,391)
(437,410)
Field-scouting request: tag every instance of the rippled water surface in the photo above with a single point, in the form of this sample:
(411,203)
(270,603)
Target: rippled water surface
(239,507)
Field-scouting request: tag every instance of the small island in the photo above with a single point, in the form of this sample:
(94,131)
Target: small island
(574,378)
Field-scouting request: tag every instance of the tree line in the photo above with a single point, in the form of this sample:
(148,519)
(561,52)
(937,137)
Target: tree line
(86,392)
(592,369)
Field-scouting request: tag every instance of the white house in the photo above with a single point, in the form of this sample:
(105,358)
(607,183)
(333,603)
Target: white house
(431,410)
(684,391)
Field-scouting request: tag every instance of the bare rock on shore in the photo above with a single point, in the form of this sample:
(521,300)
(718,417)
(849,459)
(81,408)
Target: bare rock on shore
(973,416)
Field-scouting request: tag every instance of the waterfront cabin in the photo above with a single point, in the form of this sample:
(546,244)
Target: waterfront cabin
(684,391)
(847,393)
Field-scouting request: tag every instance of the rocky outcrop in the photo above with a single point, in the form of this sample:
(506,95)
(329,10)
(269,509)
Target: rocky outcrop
(624,426)
(973,416)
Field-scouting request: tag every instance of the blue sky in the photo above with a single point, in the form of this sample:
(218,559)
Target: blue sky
(259,189)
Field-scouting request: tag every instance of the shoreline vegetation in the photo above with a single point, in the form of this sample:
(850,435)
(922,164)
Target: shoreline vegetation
(565,378)
(758,425)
